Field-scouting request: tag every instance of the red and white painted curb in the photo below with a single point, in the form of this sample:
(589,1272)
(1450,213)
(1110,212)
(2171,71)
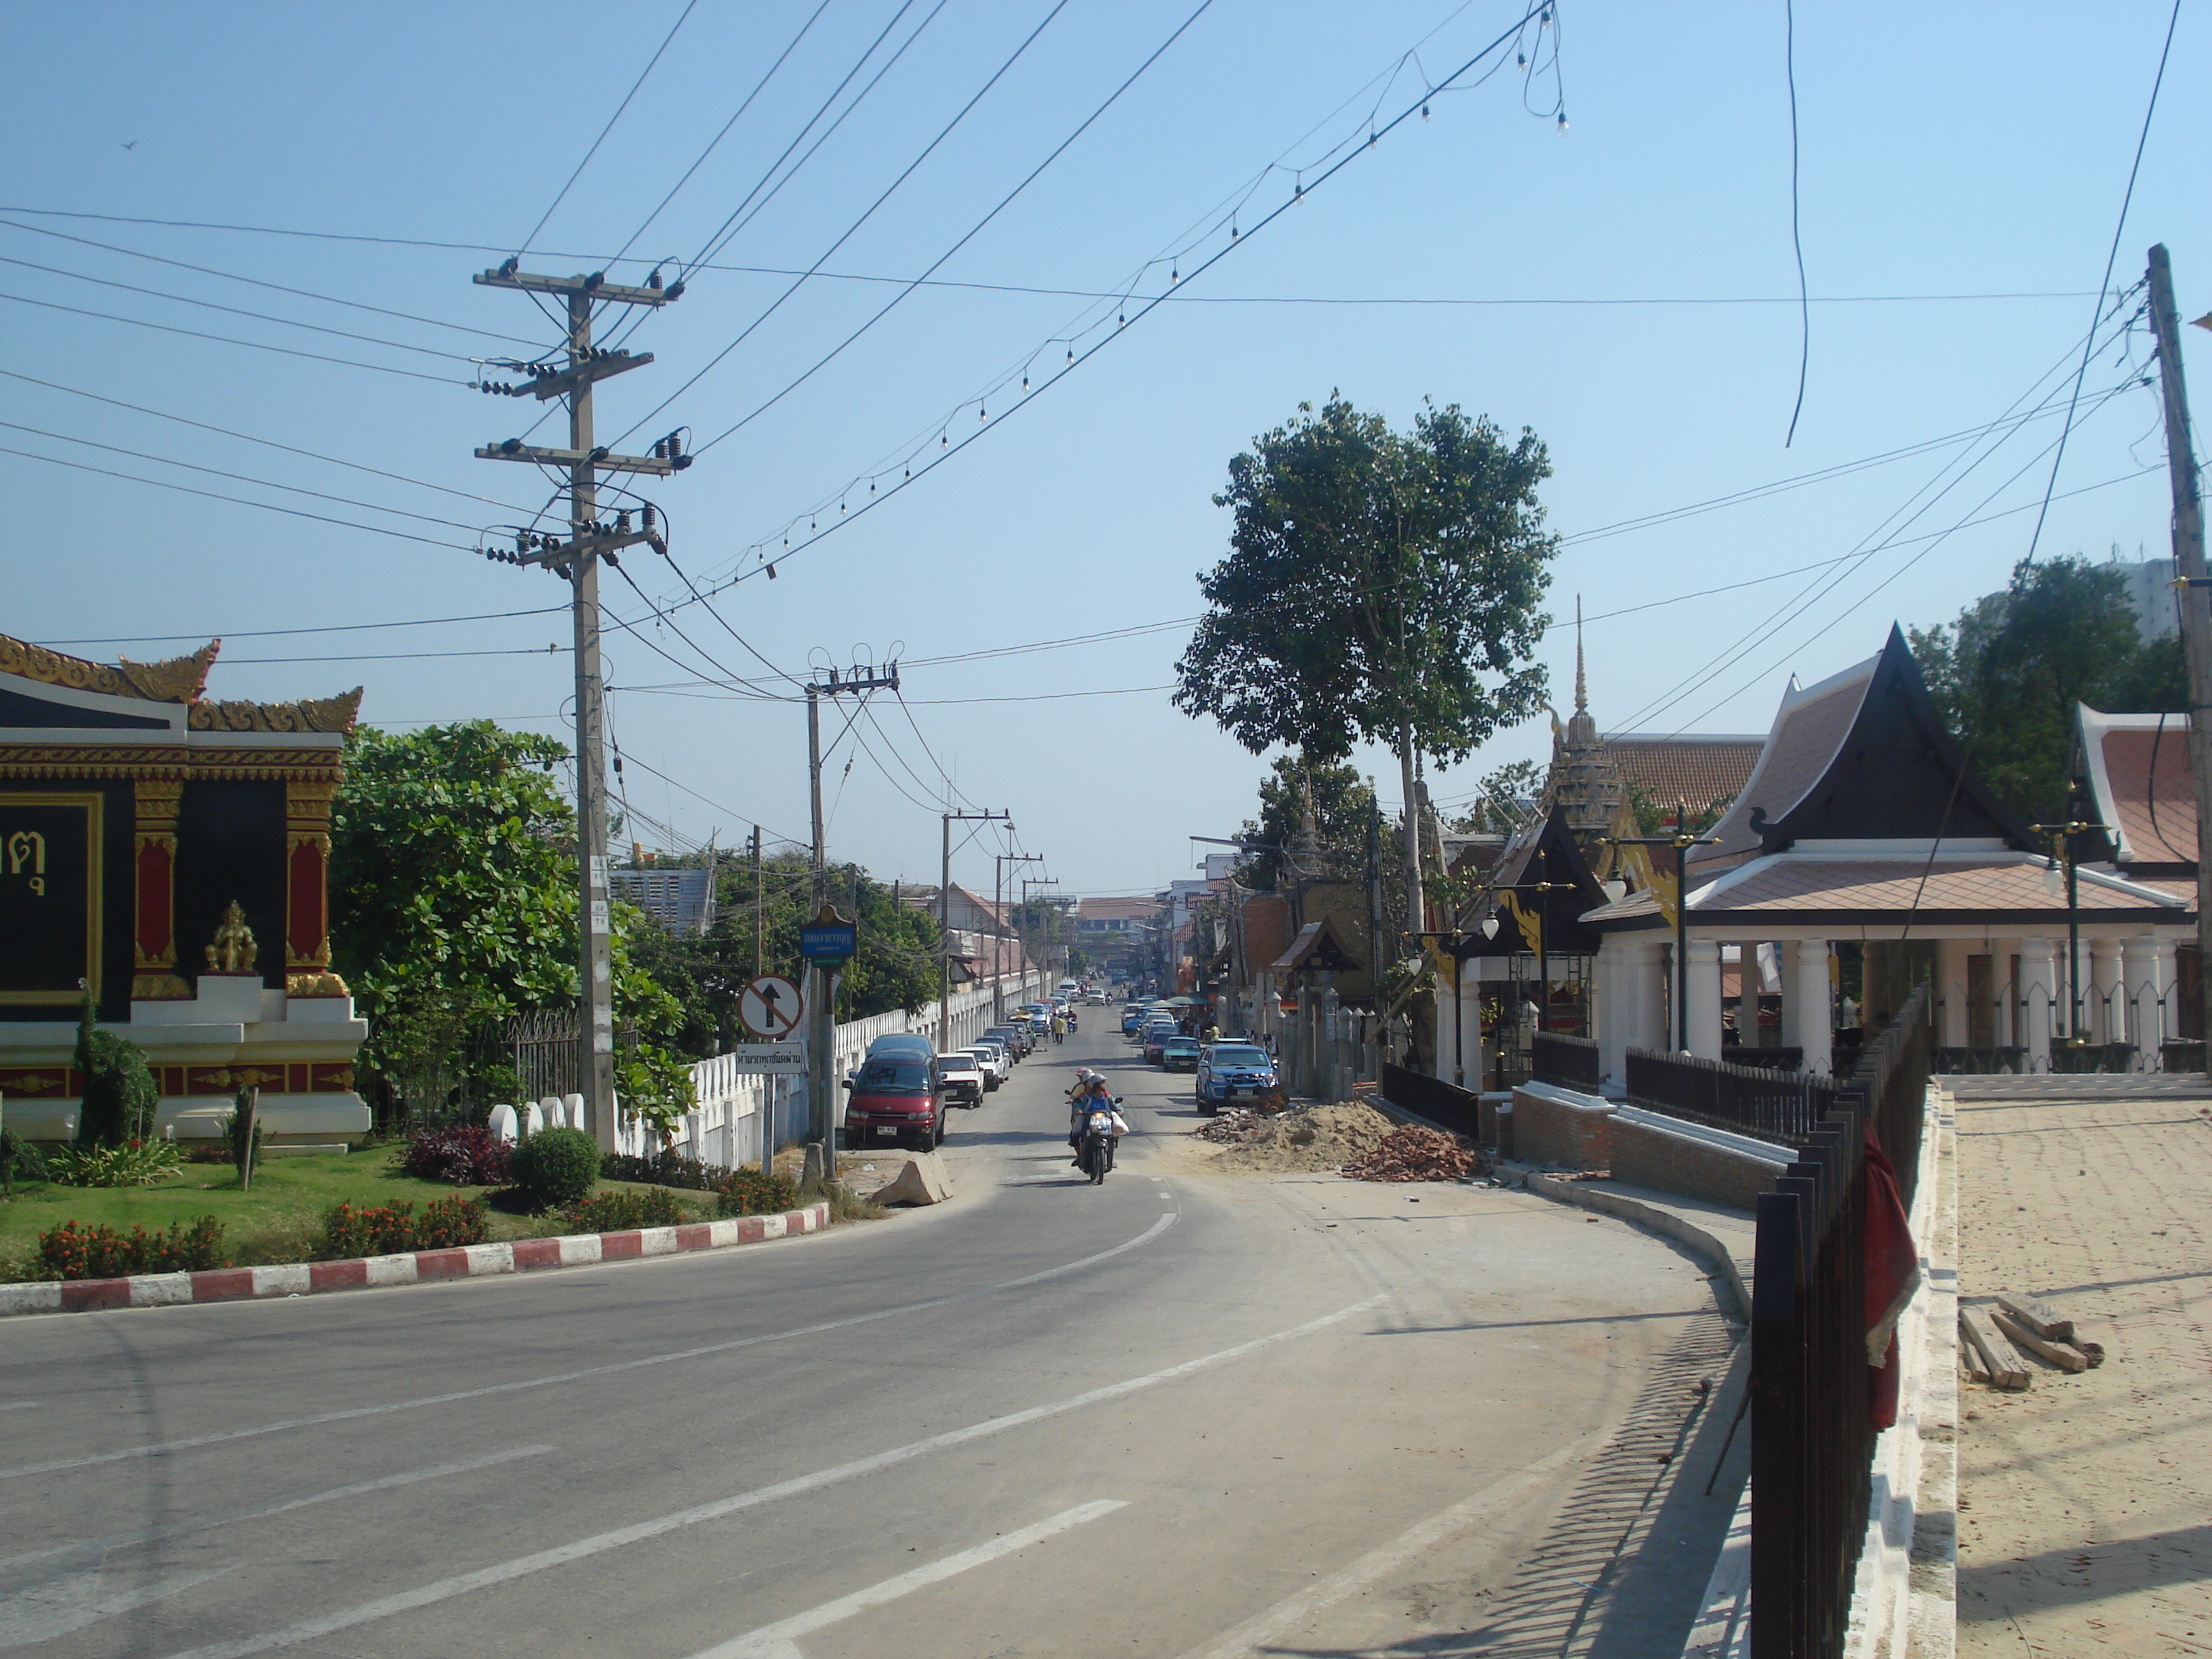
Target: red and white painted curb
(414,1268)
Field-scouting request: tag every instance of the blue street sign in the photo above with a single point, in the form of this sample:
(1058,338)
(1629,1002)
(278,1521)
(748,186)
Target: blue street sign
(828,941)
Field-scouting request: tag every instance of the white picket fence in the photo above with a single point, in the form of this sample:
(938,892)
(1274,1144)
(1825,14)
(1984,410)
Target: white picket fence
(737,1110)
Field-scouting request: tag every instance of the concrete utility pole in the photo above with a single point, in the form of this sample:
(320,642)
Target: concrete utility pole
(998,863)
(578,559)
(944,918)
(2195,592)
(821,983)
(760,906)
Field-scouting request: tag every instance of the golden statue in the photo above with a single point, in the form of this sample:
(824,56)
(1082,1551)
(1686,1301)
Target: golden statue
(233,949)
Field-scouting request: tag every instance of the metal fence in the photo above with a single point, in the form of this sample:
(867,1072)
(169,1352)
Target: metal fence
(1812,1431)
(1456,1109)
(1571,1062)
(1781,1106)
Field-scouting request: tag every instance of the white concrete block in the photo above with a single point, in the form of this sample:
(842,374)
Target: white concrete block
(160,1289)
(580,1250)
(391,1269)
(291,1279)
(656,1241)
(490,1259)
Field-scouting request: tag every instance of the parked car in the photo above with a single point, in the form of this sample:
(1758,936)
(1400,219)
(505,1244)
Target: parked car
(1233,1071)
(960,1078)
(1133,1019)
(1179,1053)
(993,1061)
(1157,1038)
(893,1099)
(903,1042)
(1016,1037)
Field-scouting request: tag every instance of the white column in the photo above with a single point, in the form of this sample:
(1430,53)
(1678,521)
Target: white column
(2139,998)
(1953,1023)
(2039,991)
(1615,1010)
(1747,993)
(1704,998)
(2106,1019)
(1646,976)
(2004,995)
(2169,1014)
(1793,980)
(1816,1017)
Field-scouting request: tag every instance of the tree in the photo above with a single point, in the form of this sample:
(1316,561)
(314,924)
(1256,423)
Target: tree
(2007,674)
(1502,799)
(1380,586)
(1343,806)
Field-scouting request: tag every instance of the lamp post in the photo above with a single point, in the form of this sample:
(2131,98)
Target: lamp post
(2061,851)
(1681,840)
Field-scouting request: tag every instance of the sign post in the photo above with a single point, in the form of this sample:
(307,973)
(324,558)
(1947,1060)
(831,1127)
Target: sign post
(828,943)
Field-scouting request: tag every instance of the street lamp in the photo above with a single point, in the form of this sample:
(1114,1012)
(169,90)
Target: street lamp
(1681,840)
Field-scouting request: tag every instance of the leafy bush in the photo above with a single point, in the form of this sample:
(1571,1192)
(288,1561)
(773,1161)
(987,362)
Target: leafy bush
(19,1160)
(462,1154)
(609,1212)
(133,1164)
(119,1092)
(665,1168)
(391,1229)
(99,1252)
(748,1192)
(554,1167)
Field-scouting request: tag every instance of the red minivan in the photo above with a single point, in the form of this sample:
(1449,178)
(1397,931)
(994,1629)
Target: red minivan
(894,1100)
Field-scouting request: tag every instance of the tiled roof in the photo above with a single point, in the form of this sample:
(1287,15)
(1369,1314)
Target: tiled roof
(2009,882)
(2138,767)
(1808,727)
(1116,910)
(1699,772)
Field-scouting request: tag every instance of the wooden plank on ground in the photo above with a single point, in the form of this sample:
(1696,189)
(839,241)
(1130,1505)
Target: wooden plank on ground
(1999,1357)
(2064,1355)
(2040,1317)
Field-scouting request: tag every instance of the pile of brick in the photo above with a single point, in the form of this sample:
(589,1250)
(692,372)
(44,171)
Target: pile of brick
(1410,1153)
(1233,1124)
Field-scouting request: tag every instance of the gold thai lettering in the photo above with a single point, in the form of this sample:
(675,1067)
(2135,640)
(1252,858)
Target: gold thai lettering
(29,846)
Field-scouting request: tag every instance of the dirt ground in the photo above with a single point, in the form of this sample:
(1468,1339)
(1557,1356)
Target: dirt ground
(1306,1139)
(2084,1502)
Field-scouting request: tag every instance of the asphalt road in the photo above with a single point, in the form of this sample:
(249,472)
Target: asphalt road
(1178,1414)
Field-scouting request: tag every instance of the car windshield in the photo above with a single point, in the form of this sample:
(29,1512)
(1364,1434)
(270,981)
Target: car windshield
(1238,1053)
(893,1076)
(1183,1045)
(958,1063)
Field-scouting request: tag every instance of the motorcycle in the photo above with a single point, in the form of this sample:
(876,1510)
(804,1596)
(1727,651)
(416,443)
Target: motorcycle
(1096,1154)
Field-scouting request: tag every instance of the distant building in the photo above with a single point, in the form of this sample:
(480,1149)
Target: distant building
(681,900)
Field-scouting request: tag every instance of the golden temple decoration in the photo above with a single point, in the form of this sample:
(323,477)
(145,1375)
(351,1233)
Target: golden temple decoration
(158,987)
(315,985)
(179,680)
(233,949)
(309,714)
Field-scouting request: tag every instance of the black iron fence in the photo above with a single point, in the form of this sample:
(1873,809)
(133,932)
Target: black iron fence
(1571,1062)
(1812,1429)
(1753,1100)
(1456,1109)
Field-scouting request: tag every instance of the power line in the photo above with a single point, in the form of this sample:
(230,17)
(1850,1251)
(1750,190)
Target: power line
(407,656)
(229,339)
(256,282)
(564,191)
(279,633)
(1797,240)
(267,443)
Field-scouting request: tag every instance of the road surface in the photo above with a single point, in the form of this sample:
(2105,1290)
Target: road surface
(1179,1414)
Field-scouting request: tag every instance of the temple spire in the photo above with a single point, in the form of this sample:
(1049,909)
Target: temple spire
(1582,693)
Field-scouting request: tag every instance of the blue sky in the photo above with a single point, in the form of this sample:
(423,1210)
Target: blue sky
(1627,290)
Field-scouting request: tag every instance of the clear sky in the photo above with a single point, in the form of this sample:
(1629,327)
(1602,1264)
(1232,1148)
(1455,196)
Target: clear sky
(1626,288)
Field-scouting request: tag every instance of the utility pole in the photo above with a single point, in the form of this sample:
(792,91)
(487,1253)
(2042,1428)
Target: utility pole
(998,902)
(577,558)
(944,918)
(821,1013)
(760,906)
(2195,590)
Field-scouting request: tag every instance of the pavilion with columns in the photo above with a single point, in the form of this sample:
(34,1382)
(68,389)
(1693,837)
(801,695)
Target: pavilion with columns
(1862,831)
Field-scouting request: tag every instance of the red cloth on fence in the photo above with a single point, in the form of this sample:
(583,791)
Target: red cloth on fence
(1892,1274)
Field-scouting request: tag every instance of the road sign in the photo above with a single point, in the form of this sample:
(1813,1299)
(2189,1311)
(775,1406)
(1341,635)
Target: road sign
(770,1059)
(771,1006)
(828,941)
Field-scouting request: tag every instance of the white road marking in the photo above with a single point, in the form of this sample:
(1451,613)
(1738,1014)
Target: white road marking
(1263,1628)
(20,1406)
(122,1540)
(445,1589)
(778,1641)
(612,1368)
(60,1606)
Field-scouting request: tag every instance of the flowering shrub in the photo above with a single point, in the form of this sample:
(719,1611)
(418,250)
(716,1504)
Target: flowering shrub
(607,1212)
(554,1167)
(99,1252)
(464,1154)
(133,1164)
(391,1229)
(665,1168)
(748,1192)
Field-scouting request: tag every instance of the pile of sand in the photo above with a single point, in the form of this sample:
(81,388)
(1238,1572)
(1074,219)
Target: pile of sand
(1307,1139)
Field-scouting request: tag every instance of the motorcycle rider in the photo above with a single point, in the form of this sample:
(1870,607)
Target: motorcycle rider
(1094,1101)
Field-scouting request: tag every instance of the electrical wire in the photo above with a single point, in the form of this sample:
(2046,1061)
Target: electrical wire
(1797,240)
(633,92)
(2111,258)
(227,339)
(334,628)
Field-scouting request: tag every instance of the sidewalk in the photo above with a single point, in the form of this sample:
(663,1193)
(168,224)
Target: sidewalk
(2083,1503)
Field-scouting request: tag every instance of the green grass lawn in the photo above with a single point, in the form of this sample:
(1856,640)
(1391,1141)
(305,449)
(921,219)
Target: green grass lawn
(279,1220)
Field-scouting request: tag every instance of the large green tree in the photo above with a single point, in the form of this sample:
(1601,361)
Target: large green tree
(1343,806)
(1381,586)
(2007,674)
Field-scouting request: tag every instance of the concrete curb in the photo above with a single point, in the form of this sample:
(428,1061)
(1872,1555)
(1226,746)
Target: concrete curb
(415,1267)
(1660,1221)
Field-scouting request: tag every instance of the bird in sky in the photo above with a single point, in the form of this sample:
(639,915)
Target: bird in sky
(133,144)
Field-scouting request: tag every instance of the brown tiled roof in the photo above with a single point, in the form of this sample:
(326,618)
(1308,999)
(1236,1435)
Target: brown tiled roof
(2010,882)
(1808,728)
(2139,772)
(1700,772)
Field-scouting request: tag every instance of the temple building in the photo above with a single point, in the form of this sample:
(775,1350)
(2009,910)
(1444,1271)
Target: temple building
(1861,830)
(168,854)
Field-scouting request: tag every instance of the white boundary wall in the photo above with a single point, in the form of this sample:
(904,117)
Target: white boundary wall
(734,1108)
